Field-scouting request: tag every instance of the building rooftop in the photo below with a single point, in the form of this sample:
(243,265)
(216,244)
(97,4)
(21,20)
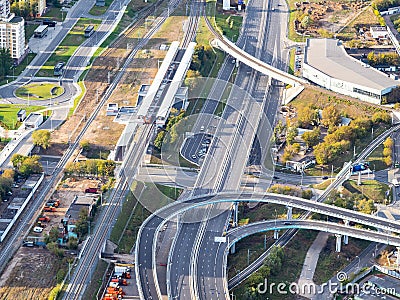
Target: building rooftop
(378,28)
(16,19)
(330,57)
(33,117)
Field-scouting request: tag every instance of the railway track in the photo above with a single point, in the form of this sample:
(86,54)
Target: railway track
(90,255)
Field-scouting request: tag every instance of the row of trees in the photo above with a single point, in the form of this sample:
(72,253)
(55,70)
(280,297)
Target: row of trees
(173,119)
(6,62)
(6,181)
(353,201)
(383,58)
(27,165)
(387,151)
(290,191)
(97,167)
(384,4)
(41,138)
(272,266)
(202,62)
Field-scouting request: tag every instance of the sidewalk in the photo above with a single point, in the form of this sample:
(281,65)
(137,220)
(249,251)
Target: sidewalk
(310,263)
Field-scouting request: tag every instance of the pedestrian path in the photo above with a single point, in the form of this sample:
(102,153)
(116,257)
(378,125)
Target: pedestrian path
(310,264)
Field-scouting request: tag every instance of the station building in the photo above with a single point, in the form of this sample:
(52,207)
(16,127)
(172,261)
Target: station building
(327,64)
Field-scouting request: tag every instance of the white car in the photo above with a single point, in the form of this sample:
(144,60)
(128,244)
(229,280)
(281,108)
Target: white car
(37,229)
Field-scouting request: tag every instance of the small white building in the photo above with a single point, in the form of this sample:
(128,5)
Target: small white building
(378,32)
(327,64)
(33,121)
(301,165)
(112,109)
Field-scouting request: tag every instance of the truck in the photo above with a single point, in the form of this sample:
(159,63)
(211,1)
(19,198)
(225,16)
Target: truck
(49,209)
(53,203)
(91,190)
(43,218)
(119,281)
(362,168)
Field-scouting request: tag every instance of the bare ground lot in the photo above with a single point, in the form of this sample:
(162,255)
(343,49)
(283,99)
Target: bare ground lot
(102,133)
(31,275)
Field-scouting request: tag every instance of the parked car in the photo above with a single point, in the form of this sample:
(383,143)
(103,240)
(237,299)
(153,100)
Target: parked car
(37,229)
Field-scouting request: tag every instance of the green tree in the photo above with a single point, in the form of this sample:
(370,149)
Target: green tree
(330,116)
(366,206)
(381,117)
(307,116)
(41,138)
(85,145)
(321,153)
(17,160)
(72,243)
(291,133)
(388,143)
(311,138)
(159,140)
(5,62)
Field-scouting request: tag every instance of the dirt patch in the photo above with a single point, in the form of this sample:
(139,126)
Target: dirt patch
(31,275)
(142,70)
(329,15)
(55,149)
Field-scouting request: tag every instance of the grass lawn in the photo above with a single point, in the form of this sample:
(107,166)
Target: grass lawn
(376,159)
(99,10)
(323,185)
(29,29)
(228,25)
(330,262)
(292,57)
(8,114)
(295,253)
(54,13)
(371,189)
(134,213)
(39,91)
(68,46)
(292,34)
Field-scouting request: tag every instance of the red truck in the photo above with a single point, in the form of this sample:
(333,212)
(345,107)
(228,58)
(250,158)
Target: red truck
(49,209)
(43,218)
(91,190)
(120,281)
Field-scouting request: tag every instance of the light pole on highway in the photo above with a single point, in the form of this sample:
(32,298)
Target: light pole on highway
(358,264)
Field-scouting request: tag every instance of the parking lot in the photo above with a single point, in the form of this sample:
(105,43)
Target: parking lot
(195,148)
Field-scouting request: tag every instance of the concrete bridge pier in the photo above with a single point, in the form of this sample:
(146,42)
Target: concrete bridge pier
(276,234)
(233,248)
(236,214)
(289,214)
(346,237)
(338,242)
(237,63)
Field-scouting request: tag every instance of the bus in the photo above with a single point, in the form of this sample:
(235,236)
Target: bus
(89,31)
(58,69)
(41,31)
(50,23)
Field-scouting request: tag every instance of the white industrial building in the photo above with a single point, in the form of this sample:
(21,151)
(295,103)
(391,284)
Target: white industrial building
(327,64)
(12,32)
(378,32)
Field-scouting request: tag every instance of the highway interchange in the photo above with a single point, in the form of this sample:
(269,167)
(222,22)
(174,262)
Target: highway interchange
(196,267)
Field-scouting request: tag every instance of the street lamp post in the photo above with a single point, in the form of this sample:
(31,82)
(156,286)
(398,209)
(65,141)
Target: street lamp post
(358,264)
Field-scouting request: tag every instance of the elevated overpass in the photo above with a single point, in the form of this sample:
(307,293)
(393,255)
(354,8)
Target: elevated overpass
(147,236)
(241,232)
(240,55)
